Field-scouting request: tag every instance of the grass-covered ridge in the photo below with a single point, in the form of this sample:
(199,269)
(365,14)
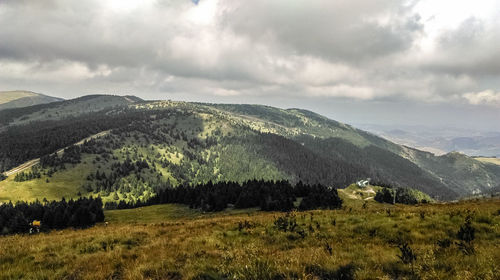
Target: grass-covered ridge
(19,99)
(174,242)
(8,96)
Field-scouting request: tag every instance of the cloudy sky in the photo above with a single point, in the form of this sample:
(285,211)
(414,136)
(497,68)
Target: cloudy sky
(431,62)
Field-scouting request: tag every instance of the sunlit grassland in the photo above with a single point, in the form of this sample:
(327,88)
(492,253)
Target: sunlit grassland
(175,242)
(489,160)
(8,96)
(64,183)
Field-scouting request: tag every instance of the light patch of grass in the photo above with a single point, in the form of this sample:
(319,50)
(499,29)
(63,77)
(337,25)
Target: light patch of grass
(8,96)
(151,214)
(489,160)
(64,183)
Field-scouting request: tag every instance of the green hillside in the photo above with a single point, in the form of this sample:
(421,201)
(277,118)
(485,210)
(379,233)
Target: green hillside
(163,143)
(18,99)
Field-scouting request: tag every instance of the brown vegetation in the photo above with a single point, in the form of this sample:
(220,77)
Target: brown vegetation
(174,242)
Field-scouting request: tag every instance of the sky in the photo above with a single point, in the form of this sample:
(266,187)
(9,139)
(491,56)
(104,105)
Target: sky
(432,62)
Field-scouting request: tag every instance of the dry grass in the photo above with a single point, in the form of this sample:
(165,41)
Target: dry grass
(489,160)
(7,96)
(174,242)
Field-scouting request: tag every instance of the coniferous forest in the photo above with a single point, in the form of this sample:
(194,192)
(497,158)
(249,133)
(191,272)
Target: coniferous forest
(80,213)
(267,195)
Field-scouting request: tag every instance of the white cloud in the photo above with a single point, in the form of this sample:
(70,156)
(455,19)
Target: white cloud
(342,90)
(487,97)
(226,92)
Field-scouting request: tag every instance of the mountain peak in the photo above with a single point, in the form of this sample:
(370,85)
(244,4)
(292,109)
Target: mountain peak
(23,98)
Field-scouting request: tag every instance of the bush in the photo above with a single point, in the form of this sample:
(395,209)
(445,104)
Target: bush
(407,256)
(285,223)
(467,231)
(403,195)
(444,243)
(466,235)
(345,272)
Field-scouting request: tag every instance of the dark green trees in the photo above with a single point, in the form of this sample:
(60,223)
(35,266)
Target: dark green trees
(80,213)
(403,195)
(268,195)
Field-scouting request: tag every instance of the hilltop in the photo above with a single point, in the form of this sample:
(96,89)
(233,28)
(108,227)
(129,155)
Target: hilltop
(154,144)
(20,98)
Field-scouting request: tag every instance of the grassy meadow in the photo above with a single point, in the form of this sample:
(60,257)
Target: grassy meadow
(66,183)
(359,241)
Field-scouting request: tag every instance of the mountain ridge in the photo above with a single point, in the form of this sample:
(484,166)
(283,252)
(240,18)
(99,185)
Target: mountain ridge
(184,143)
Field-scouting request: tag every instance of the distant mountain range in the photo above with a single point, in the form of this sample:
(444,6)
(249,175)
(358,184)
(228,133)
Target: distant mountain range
(143,145)
(18,99)
(440,140)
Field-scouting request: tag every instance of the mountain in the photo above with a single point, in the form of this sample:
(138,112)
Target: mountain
(63,109)
(19,98)
(139,146)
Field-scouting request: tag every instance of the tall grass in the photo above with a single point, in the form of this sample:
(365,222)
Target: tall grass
(175,242)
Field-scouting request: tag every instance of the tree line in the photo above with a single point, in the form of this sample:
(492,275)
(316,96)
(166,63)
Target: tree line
(403,195)
(80,213)
(267,195)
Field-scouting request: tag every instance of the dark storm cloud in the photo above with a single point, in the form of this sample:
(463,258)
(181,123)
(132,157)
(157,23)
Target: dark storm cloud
(337,30)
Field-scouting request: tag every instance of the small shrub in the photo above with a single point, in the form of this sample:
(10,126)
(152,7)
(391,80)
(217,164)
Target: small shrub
(161,273)
(345,272)
(328,248)
(407,256)
(466,235)
(245,225)
(285,223)
(444,243)
(467,231)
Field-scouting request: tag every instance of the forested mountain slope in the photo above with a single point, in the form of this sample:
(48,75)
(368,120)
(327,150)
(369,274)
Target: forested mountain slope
(161,143)
(63,109)
(19,98)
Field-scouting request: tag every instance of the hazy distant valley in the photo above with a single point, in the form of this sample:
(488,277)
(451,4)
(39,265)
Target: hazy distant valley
(440,140)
